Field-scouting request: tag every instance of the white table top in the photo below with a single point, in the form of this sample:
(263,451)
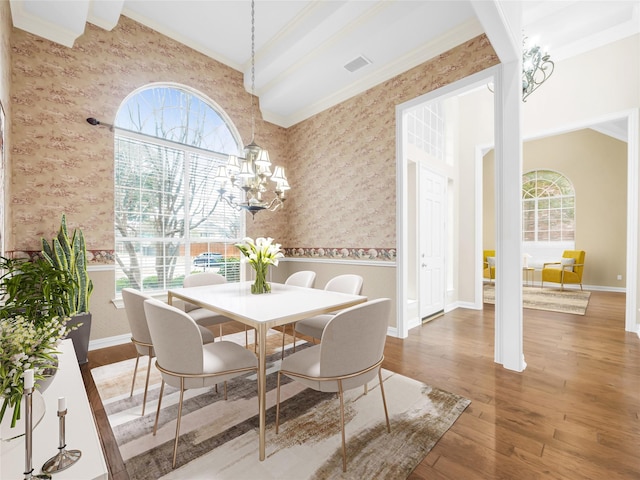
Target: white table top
(80,434)
(285,304)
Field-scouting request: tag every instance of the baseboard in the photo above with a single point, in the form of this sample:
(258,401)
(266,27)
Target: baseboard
(109,341)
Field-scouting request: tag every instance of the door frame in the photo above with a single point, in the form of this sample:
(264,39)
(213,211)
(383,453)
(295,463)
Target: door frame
(468,83)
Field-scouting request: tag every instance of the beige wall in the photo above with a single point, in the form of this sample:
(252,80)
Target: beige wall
(566,101)
(340,162)
(596,164)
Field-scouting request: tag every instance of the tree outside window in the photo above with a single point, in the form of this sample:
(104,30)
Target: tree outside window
(169,143)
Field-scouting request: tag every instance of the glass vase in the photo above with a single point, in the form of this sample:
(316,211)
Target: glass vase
(260,285)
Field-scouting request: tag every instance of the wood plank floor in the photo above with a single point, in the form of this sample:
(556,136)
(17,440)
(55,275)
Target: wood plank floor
(574,413)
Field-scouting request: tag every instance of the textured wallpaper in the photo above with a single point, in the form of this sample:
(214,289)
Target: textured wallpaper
(346,158)
(340,163)
(5,125)
(62,164)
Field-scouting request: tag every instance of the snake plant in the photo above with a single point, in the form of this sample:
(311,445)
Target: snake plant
(70,255)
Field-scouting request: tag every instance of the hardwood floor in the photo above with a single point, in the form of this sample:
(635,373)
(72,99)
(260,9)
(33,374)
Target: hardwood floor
(574,413)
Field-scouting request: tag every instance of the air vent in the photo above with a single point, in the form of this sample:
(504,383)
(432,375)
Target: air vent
(357,63)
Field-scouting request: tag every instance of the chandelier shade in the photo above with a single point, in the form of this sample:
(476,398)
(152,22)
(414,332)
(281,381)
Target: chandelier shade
(247,182)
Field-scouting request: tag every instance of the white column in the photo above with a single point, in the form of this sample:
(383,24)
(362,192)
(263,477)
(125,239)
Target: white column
(508,316)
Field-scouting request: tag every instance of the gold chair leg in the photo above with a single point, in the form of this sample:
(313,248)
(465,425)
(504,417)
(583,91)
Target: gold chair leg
(344,448)
(146,384)
(175,443)
(246,337)
(284,334)
(135,371)
(293,326)
(278,404)
(155,425)
(384,400)
(220,331)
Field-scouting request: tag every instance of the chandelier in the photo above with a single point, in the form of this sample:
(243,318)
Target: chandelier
(536,68)
(249,176)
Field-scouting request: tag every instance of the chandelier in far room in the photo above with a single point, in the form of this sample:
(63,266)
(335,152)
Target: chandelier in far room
(249,176)
(536,68)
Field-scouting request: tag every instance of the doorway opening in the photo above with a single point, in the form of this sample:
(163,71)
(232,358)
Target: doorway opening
(437,231)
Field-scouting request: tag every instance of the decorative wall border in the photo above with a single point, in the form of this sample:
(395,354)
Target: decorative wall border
(380,254)
(106,257)
(94,257)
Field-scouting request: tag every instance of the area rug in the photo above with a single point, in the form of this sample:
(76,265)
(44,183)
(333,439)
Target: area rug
(549,299)
(219,439)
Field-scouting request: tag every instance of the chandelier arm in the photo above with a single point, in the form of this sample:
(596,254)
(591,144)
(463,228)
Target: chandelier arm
(228,200)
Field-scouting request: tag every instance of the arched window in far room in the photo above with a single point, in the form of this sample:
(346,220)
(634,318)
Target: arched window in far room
(548,211)
(169,142)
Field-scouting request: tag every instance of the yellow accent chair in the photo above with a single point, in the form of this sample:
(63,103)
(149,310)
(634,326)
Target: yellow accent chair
(489,265)
(567,271)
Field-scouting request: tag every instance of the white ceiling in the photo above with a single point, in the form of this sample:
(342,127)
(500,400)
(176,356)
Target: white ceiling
(302,46)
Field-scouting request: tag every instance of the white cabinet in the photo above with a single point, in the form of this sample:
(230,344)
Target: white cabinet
(81,433)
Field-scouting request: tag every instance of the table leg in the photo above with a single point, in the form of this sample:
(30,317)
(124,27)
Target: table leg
(261,333)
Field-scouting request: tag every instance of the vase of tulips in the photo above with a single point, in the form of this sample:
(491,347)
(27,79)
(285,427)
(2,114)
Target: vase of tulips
(261,254)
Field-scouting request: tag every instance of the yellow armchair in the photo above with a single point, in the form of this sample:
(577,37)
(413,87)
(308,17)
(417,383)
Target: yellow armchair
(489,265)
(567,271)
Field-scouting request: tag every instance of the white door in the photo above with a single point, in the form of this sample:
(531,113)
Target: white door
(433,190)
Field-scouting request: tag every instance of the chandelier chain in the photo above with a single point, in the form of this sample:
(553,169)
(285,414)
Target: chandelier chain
(253,67)
(249,175)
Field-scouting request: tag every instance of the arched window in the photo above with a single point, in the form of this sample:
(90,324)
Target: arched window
(169,143)
(548,209)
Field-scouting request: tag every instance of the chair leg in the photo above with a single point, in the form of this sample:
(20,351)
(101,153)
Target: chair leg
(293,326)
(384,400)
(225,390)
(220,331)
(146,384)
(278,403)
(344,448)
(135,371)
(284,334)
(155,425)
(175,443)
(246,337)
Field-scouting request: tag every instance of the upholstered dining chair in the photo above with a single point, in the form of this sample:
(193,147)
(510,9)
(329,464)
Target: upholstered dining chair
(184,362)
(140,336)
(202,316)
(314,326)
(567,271)
(303,278)
(349,356)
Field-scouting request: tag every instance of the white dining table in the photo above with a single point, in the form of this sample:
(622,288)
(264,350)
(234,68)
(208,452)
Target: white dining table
(284,305)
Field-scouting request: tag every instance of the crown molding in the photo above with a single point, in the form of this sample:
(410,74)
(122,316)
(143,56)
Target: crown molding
(451,39)
(172,34)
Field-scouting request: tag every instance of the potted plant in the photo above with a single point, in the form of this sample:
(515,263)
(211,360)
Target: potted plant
(70,255)
(32,323)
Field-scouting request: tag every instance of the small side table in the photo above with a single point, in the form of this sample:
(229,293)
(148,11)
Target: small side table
(528,276)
